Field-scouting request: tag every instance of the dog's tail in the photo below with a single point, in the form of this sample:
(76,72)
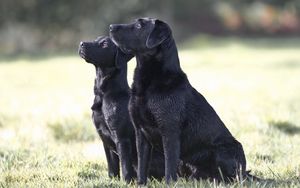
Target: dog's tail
(249,176)
(255,178)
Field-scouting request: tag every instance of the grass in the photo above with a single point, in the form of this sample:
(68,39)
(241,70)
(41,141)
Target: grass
(47,138)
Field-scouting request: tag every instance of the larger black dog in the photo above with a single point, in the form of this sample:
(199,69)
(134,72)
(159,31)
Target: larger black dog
(110,108)
(169,113)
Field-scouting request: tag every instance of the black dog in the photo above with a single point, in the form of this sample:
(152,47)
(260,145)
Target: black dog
(168,113)
(110,108)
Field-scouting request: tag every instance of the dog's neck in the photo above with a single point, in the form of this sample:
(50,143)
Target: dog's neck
(166,54)
(159,68)
(115,77)
(170,59)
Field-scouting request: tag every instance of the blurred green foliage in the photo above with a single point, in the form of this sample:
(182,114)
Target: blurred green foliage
(35,26)
(68,130)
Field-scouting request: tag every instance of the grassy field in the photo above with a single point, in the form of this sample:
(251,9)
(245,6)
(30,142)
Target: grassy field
(47,138)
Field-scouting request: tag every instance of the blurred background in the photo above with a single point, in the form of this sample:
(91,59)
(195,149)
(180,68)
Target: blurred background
(243,56)
(35,26)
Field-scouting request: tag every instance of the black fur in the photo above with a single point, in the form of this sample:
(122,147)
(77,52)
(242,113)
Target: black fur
(110,108)
(169,114)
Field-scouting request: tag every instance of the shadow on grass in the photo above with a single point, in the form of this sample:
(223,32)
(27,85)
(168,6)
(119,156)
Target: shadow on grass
(73,130)
(8,120)
(288,64)
(285,127)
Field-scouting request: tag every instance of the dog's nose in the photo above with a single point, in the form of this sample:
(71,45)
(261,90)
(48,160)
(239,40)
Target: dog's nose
(112,27)
(83,44)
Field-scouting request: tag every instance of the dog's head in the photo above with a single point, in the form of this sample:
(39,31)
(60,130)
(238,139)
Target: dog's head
(102,52)
(142,35)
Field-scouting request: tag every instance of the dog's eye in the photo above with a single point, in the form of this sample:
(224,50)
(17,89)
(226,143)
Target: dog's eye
(138,26)
(104,44)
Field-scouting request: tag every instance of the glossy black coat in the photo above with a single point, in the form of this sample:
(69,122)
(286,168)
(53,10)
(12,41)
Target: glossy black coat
(110,109)
(169,114)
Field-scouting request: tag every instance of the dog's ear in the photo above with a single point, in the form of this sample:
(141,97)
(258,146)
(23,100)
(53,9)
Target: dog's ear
(121,58)
(160,33)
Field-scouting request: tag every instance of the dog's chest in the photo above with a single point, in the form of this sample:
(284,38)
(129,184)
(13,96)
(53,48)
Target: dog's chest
(143,115)
(109,111)
(103,129)
(152,113)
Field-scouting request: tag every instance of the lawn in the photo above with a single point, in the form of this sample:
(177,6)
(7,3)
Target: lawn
(47,138)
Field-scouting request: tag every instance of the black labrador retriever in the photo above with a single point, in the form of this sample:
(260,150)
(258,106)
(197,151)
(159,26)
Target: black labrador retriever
(168,113)
(110,109)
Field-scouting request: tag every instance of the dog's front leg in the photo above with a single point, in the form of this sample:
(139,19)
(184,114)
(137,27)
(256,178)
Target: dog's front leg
(171,146)
(125,155)
(112,163)
(143,151)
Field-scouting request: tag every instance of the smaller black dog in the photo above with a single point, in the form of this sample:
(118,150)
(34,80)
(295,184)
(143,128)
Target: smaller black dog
(110,109)
(110,114)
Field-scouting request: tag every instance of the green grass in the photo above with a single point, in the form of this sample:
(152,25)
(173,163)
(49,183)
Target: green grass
(47,138)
